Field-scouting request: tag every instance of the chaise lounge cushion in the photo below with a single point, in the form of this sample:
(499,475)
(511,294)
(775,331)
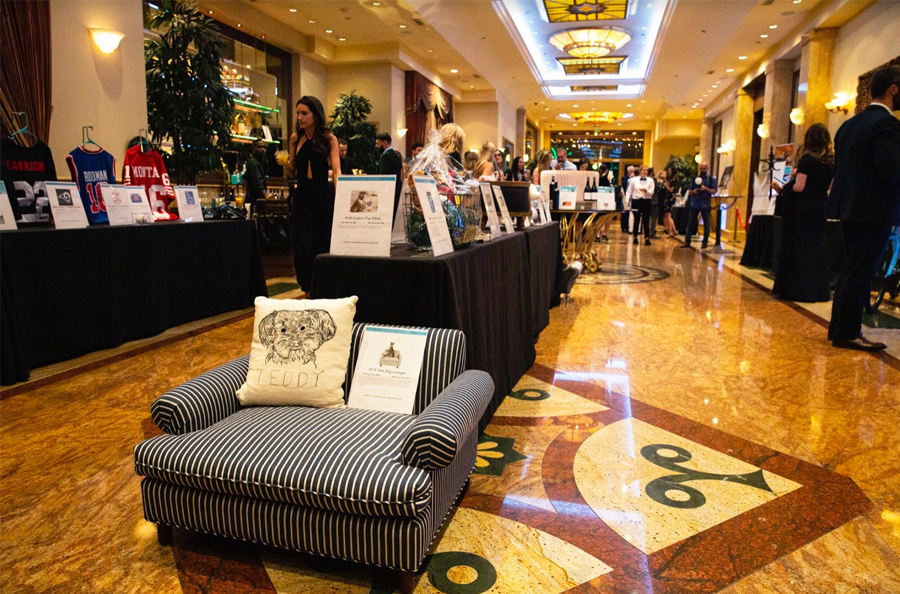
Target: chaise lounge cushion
(333,459)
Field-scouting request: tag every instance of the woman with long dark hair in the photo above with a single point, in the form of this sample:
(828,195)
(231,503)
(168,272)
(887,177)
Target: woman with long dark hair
(314,150)
(670,187)
(516,171)
(802,271)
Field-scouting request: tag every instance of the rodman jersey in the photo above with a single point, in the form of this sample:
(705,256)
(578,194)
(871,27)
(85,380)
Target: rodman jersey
(25,170)
(90,170)
(147,169)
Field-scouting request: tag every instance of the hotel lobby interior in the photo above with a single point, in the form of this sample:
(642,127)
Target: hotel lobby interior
(677,427)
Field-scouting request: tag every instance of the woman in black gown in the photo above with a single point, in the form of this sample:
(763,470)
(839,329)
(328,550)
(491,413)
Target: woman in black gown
(314,151)
(802,271)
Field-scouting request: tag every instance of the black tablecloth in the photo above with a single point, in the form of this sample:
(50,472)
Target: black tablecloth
(484,290)
(68,292)
(544,257)
(760,248)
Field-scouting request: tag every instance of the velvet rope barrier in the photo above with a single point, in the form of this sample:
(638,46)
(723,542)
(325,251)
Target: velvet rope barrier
(740,220)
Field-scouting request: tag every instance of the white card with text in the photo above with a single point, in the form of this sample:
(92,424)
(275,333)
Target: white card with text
(65,206)
(7,216)
(504,211)
(189,209)
(363,209)
(386,376)
(127,205)
(606,198)
(433,212)
(491,210)
(568,196)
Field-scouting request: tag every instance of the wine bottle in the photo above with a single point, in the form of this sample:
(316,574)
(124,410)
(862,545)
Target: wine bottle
(587,190)
(554,193)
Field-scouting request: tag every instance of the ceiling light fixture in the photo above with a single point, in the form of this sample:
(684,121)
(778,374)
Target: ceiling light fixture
(590,43)
(454,71)
(239,25)
(729,70)
(763,36)
(328,30)
(312,22)
(403,26)
(342,39)
(292,9)
(773,26)
(742,57)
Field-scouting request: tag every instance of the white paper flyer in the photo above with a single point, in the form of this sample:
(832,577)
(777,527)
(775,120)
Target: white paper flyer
(65,206)
(387,371)
(7,217)
(433,212)
(189,209)
(504,211)
(568,195)
(127,205)
(488,198)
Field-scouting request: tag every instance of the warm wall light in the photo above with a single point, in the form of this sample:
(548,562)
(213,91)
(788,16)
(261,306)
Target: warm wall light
(839,103)
(401,132)
(698,159)
(797,116)
(726,148)
(763,131)
(107,41)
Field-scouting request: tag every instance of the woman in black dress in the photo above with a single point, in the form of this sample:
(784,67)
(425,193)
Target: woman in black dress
(802,272)
(315,150)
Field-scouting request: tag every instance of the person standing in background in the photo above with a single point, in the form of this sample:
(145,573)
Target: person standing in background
(516,171)
(452,138)
(391,163)
(347,164)
(700,203)
(562,162)
(621,203)
(638,196)
(255,176)
(866,198)
(667,200)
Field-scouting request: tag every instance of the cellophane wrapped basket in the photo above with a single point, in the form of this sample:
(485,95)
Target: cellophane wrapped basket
(460,198)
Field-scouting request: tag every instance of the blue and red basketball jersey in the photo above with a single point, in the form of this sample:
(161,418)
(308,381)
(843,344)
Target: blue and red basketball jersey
(90,170)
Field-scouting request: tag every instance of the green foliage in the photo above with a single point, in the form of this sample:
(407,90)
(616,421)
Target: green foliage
(186,100)
(686,167)
(348,122)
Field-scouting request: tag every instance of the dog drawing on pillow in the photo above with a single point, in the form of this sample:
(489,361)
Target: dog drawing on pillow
(292,336)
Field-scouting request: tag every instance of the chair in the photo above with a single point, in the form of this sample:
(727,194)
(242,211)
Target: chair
(358,485)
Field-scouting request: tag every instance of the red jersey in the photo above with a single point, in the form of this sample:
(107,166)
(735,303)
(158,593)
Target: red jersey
(147,169)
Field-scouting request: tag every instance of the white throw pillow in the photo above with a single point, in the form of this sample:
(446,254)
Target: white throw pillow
(299,353)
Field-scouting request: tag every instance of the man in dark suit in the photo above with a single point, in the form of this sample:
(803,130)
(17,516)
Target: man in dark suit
(391,163)
(866,198)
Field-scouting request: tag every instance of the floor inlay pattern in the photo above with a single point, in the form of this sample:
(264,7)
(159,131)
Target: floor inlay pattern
(612,273)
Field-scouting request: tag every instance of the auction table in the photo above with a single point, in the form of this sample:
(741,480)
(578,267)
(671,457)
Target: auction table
(67,292)
(484,290)
(545,264)
(764,243)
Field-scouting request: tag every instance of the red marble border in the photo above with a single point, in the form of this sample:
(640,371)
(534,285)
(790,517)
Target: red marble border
(709,561)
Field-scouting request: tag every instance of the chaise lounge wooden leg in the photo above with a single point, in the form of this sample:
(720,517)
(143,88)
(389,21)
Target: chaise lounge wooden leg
(406,582)
(164,534)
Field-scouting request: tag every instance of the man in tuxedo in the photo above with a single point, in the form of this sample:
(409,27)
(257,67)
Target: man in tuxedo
(700,202)
(391,163)
(865,197)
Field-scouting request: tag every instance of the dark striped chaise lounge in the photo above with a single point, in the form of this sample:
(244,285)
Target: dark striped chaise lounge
(359,485)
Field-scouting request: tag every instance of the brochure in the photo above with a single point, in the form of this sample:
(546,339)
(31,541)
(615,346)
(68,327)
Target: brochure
(363,209)
(386,376)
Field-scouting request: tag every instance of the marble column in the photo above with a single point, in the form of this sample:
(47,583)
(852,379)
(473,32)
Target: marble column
(706,134)
(520,133)
(818,63)
(777,103)
(743,140)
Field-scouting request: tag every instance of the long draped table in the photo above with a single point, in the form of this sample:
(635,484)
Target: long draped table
(492,292)
(68,292)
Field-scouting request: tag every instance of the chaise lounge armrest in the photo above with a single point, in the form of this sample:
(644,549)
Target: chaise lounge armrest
(202,401)
(435,437)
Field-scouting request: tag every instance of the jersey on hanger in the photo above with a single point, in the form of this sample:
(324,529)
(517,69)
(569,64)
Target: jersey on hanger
(90,170)
(25,170)
(147,169)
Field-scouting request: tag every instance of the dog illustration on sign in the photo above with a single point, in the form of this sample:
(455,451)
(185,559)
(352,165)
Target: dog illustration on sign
(293,336)
(391,356)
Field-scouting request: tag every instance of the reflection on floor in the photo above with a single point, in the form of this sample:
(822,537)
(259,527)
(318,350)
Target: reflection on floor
(681,431)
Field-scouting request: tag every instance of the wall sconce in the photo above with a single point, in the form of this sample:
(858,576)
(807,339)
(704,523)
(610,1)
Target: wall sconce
(106,41)
(839,103)
(401,132)
(797,116)
(726,148)
(698,159)
(762,131)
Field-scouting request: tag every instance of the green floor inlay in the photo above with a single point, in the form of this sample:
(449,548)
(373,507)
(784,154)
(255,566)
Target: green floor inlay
(279,288)
(881,320)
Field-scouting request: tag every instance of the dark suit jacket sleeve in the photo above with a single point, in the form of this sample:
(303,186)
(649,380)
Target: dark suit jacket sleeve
(886,144)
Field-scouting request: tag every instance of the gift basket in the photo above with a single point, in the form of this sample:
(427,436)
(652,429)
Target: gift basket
(460,198)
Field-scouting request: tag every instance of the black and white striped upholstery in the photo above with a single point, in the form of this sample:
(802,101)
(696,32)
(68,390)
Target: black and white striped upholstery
(335,459)
(364,486)
(433,440)
(202,401)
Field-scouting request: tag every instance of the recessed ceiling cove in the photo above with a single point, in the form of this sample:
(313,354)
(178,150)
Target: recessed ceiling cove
(578,44)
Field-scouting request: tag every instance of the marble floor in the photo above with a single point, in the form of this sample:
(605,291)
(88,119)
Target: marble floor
(680,431)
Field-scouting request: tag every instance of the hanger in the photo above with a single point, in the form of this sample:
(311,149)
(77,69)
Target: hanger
(145,140)
(24,129)
(86,137)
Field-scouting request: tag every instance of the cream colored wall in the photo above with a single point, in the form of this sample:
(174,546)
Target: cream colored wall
(506,113)
(864,43)
(312,80)
(479,121)
(106,91)
(398,107)
(665,148)
(728,133)
(373,81)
